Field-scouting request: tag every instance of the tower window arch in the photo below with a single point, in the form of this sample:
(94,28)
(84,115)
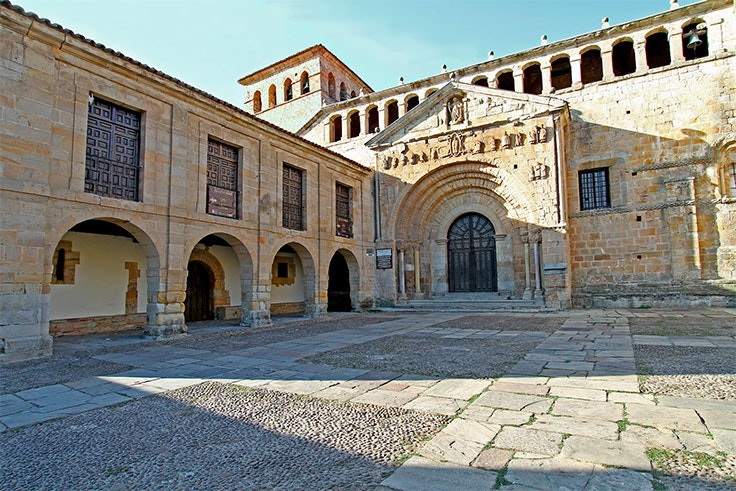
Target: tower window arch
(657,47)
(331,86)
(561,73)
(304,83)
(411,102)
(257,107)
(623,58)
(533,79)
(288,91)
(353,124)
(695,40)
(336,128)
(591,66)
(343,92)
(392,112)
(505,81)
(272,96)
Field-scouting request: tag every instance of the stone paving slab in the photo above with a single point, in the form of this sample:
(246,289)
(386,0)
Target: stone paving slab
(574,393)
(607,452)
(520,388)
(421,474)
(576,426)
(516,402)
(389,398)
(665,417)
(456,388)
(437,405)
(546,474)
(588,410)
(529,440)
(726,439)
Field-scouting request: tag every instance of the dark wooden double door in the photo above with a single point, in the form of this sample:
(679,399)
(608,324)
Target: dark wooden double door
(471,255)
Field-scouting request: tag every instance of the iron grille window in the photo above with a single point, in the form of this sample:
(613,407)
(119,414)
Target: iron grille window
(594,189)
(222,179)
(293,199)
(112,165)
(343,218)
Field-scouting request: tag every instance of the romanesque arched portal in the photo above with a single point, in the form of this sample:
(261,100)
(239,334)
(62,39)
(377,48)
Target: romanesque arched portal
(471,255)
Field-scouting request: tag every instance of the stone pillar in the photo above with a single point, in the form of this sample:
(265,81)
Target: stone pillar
(537,239)
(546,77)
(165,314)
(640,53)
(676,54)
(257,308)
(607,62)
(527,295)
(518,79)
(417,275)
(576,72)
(402,275)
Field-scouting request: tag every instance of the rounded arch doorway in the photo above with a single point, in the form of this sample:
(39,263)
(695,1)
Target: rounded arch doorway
(471,255)
(198,300)
(338,289)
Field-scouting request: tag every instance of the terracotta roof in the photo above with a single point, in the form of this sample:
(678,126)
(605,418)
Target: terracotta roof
(317,49)
(118,54)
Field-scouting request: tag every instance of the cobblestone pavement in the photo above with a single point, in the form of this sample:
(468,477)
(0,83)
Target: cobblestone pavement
(573,400)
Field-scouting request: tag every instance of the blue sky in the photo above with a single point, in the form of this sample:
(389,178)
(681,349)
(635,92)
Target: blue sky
(210,45)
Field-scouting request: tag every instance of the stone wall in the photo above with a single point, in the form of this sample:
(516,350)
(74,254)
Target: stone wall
(45,106)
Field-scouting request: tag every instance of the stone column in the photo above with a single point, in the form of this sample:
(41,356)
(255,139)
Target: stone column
(641,57)
(607,62)
(402,274)
(546,77)
(676,54)
(417,275)
(527,295)
(518,79)
(576,71)
(537,240)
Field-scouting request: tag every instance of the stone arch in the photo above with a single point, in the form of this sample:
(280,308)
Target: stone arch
(657,48)
(272,96)
(480,80)
(623,57)
(304,83)
(335,128)
(331,90)
(391,109)
(248,288)
(257,103)
(431,91)
(561,71)
(372,124)
(108,226)
(353,276)
(353,120)
(411,101)
(591,64)
(725,158)
(532,78)
(220,295)
(505,80)
(313,307)
(467,178)
(288,90)
(691,26)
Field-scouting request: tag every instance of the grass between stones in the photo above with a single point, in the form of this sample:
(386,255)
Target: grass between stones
(695,467)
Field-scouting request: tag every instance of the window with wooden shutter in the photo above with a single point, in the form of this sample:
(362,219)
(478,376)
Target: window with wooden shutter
(343,216)
(222,179)
(293,199)
(112,165)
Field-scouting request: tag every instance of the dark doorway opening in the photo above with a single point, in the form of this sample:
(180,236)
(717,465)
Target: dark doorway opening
(198,302)
(338,285)
(471,255)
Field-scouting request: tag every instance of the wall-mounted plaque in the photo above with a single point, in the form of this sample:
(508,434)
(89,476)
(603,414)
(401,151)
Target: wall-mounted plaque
(384,259)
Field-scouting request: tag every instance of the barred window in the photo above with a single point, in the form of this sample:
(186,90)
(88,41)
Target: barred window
(113,151)
(293,199)
(343,217)
(594,189)
(222,179)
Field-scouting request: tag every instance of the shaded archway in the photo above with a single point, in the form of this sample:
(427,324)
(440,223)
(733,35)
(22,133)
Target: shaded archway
(103,278)
(338,285)
(471,255)
(293,282)
(199,301)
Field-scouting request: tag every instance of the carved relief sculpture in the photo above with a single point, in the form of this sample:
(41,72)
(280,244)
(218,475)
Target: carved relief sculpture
(538,172)
(542,134)
(455,110)
(506,141)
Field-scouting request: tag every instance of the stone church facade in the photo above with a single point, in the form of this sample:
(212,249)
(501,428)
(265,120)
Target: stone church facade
(595,171)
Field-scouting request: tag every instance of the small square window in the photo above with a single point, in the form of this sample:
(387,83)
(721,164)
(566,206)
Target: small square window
(282,270)
(595,189)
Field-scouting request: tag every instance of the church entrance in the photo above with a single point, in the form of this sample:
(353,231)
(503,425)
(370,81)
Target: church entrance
(338,286)
(471,255)
(198,302)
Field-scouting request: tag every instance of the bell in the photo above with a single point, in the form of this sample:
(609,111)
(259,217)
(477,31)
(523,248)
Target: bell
(694,42)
